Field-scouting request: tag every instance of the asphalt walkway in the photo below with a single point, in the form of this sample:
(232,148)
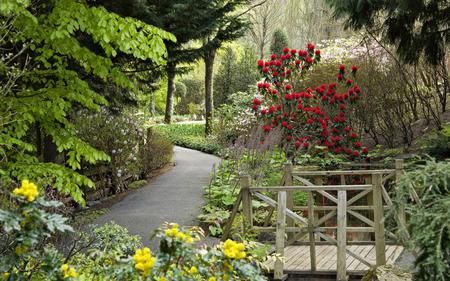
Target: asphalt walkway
(175,196)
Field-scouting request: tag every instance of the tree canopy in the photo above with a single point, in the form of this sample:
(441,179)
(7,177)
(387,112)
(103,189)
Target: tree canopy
(414,26)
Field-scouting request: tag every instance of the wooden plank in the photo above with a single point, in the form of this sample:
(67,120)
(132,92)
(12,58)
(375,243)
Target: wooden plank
(301,254)
(325,254)
(227,229)
(333,208)
(341,236)
(358,250)
(380,244)
(246,201)
(280,235)
(290,194)
(358,196)
(312,240)
(339,173)
(361,217)
(322,192)
(401,217)
(269,216)
(313,187)
(289,213)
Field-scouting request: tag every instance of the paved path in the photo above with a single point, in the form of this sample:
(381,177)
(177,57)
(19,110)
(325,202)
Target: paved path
(175,196)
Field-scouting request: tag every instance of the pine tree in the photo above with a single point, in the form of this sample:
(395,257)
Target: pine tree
(279,41)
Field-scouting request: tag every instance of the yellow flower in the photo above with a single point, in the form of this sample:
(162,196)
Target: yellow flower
(162,278)
(6,275)
(144,261)
(20,250)
(212,278)
(193,270)
(175,233)
(68,272)
(234,250)
(28,190)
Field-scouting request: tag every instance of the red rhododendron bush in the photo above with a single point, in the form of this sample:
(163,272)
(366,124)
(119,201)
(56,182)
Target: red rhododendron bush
(314,121)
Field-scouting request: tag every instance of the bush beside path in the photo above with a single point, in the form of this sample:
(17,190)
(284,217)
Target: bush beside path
(175,196)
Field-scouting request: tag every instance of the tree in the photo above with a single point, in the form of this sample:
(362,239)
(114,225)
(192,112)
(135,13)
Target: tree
(225,26)
(234,75)
(264,20)
(279,41)
(188,20)
(414,27)
(44,69)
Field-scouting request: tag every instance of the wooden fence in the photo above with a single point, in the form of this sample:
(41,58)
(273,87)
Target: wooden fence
(290,226)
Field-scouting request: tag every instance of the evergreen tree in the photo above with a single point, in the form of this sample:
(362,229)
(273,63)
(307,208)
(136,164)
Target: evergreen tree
(279,41)
(414,26)
(224,80)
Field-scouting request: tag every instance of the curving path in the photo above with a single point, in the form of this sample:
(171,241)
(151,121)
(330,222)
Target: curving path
(175,196)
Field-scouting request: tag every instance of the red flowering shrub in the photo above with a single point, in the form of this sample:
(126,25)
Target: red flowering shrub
(311,121)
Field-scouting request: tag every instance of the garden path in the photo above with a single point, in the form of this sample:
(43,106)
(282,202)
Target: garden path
(175,196)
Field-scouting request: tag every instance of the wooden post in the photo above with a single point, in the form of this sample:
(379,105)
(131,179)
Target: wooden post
(311,225)
(288,181)
(401,217)
(341,235)
(380,243)
(280,236)
(246,201)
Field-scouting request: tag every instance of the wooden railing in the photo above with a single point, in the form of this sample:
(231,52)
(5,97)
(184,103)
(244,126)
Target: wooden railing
(296,226)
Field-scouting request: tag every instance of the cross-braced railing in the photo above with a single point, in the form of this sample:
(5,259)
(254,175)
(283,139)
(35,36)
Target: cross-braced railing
(342,198)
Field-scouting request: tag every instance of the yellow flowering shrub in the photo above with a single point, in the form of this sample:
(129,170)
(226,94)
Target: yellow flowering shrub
(144,261)
(28,190)
(68,271)
(234,250)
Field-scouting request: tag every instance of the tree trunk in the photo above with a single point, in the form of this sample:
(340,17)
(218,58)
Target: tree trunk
(50,150)
(209,106)
(170,92)
(152,104)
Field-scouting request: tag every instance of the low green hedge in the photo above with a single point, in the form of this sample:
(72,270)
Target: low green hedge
(190,136)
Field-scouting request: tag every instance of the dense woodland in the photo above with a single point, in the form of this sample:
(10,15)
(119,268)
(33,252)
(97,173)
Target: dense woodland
(95,94)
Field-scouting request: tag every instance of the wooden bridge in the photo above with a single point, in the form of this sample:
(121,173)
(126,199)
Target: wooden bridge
(339,232)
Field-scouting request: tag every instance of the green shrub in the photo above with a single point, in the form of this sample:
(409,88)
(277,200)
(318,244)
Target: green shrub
(133,154)
(425,194)
(438,145)
(190,136)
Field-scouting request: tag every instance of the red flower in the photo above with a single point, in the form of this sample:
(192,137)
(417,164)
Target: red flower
(274,74)
(266,85)
(309,60)
(340,77)
(283,57)
(289,127)
(356,153)
(273,56)
(299,106)
(334,130)
(293,51)
(342,106)
(342,67)
(267,63)
(255,107)
(347,129)
(279,107)
(349,81)
(267,128)
(284,124)
(298,144)
(285,50)
(302,53)
(354,68)
(317,52)
(357,144)
(265,70)
(288,87)
(289,138)
(297,61)
(305,145)
(365,150)
(271,109)
(260,63)
(353,136)
(264,111)
(357,89)
(278,63)
(287,56)
(310,121)
(310,46)
(256,101)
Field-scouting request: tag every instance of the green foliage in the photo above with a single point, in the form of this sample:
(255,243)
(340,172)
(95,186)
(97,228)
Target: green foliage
(415,27)
(279,41)
(190,136)
(438,144)
(235,74)
(425,194)
(40,85)
(134,154)
(195,93)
